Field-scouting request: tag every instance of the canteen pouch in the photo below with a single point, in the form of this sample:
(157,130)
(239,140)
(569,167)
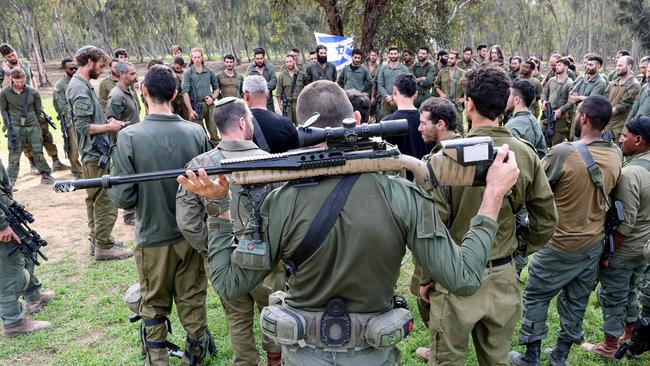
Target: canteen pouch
(283,325)
(389,328)
(252,254)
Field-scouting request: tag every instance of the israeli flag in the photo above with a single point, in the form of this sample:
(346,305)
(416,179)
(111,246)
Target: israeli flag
(339,49)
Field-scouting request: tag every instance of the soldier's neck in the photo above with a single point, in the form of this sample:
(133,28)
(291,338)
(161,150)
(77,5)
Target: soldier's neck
(519,108)
(229,72)
(447,134)
(164,109)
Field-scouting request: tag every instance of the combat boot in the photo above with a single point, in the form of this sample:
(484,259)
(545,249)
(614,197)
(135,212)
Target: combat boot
(47,179)
(629,330)
(423,353)
(25,327)
(273,359)
(530,358)
(129,217)
(33,307)
(58,166)
(32,167)
(91,247)
(557,356)
(605,349)
(113,253)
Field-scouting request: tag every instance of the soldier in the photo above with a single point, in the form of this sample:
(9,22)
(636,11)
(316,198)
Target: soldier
(90,124)
(496,56)
(360,103)
(121,55)
(528,70)
(619,54)
(524,124)
(322,69)
(641,106)
(373,67)
(229,79)
(449,85)
(622,92)
(359,293)
(568,264)
(355,75)
(312,57)
(65,117)
(623,270)
(267,71)
(169,268)
(178,104)
(200,89)
(481,54)
(496,307)
(295,53)
(106,85)
(538,68)
(424,73)
(290,83)
(18,277)
(177,51)
(385,80)
(591,83)
(234,120)
(467,63)
(443,57)
(407,58)
(23,106)
(552,61)
(642,78)
(515,67)
(556,92)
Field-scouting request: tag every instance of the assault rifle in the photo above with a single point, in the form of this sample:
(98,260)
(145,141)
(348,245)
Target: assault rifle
(9,130)
(285,106)
(30,242)
(100,142)
(48,120)
(639,343)
(549,114)
(66,137)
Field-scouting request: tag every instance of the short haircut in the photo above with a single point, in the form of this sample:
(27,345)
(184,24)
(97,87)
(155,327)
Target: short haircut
(598,109)
(65,62)
(624,52)
(453,52)
(645,60)
(360,103)
(555,55)
(122,67)
(113,61)
(393,48)
(312,53)
(357,51)
(229,57)
(442,53)
(424,48)
(120,52)
(6,49)
(160,83)
(176,48)
(536,61)
(17,73)
(531,64)
(326,98)
(153,63)
(481,47)
(565,61)
(227,116)
(525,90)
(294,49)
(518,58)
(255,85)
(489,88)
(374,50)
(94,54)
(596,58)
(406,84)
(179,61)
(628,60)
(441,109)
(468,49)
(259,51)
(321,47)
(407,51)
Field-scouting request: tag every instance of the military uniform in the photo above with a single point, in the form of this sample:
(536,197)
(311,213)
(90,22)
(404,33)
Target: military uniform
(271,81)
(289,91)
(355,78)
(169,268)
(178,104)
(199,85)
(315,72)
(467,66)
(551,74)
(385,80)
(452,86)
(190,217)
(62,108)
(25,128)
(86,110)
(105,87)
(621,96)
(426,70)
(641,106)
(534,107)
(123,106)
(496,307)
(231,86)
(558,95)
(642,79)
(373,76)
(525,126)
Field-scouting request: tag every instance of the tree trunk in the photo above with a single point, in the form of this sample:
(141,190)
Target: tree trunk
(32,43)
(371,19)
(333,16)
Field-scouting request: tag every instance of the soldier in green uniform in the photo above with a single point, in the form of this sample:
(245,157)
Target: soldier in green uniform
(106,85)
(619,54)
(23,106)
(523,124)
(467,63)
(90,123)
(62,108)
(341,271)
(515,68)
(290,83)
(527,71)
(622,92)
(449,85)
(373,67)
(200,89)
(568,264)
(591,83)
(642,77)
(496,307)
(17,277)
(321,69)
(552,62)
(641,106)
(234,121)
(481,54)
(229,79)
(556,92)
(178,104)
(169,268)
(267,71)
(355,76)
(385,80)
(424,73)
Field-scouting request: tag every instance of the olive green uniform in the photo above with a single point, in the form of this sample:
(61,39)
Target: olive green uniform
(641,106)
(427,71)
(403,217)
(105,87)
(287,90)
(170,270)
(123,105)
(190,217)
(86,110)
(231,86)
(271,81)
(178,104)
(551,74)
(642,79)
(525,126)
(569,263)
(316,72)
(621,95)
(385,80)
(373,76)
(198,85)
(496,307)
(557,94)
(534,108)
(27,129)
(17,276)
(357,79)
(62,108)
(586,86)
(467,66)
(452,86)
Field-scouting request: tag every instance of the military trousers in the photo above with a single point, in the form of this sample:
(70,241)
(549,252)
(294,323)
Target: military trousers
(101,212)
(27,136)
(617,294)
(207,122)
(291,113)
(421,98)
(489,317)
(17,279)
(644,292)
(572,276)
(560,131)
(48,140)
(293,356)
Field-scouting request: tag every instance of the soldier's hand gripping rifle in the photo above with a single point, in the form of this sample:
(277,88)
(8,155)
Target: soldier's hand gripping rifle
(550,122)
(9,130)
(30,242)
(66,137)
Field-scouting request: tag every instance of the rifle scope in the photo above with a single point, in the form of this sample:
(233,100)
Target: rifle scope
(350,133)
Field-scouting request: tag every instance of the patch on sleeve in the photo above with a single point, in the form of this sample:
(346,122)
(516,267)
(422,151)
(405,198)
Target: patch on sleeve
(83,108)
(429,224)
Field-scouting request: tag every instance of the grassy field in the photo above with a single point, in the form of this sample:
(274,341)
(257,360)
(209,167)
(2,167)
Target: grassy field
(90,320)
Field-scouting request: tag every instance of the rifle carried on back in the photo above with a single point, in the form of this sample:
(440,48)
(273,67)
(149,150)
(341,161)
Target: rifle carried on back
(549,114)
(30,241)
(66,137)
(9,130)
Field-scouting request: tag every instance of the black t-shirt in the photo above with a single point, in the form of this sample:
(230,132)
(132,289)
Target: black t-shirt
(279,132)
(412,143)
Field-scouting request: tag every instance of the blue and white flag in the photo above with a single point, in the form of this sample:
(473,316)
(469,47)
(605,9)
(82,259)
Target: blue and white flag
(339,49)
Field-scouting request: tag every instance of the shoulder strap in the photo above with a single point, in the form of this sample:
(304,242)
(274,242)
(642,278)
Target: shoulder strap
(259,136)
(293,83)
(322,223)
(642,163)
(595,174)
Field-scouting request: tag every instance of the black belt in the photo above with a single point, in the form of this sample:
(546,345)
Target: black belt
(499,262)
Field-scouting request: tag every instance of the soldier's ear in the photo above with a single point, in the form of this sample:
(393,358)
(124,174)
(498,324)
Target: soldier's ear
(175,94)
(357,117)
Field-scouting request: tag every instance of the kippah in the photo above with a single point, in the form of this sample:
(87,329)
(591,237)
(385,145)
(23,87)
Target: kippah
(85,48)
(224,101)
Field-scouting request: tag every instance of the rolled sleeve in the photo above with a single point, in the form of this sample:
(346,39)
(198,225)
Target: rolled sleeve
(628,192)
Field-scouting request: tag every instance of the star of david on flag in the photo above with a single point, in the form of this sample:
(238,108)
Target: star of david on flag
(339,49)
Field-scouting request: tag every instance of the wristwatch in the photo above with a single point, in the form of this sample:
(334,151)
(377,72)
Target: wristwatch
(216,207)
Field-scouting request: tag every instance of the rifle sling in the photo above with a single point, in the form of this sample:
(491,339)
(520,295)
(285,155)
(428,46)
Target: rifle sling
(294,80)
(23,111)
(259,136)
(322,224)
(595,174)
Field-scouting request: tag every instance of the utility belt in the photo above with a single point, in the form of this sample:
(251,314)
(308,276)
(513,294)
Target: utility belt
(334,328)
(499,262)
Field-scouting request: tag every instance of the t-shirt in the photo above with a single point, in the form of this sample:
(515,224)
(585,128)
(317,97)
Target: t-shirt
(279,132)
(411,143)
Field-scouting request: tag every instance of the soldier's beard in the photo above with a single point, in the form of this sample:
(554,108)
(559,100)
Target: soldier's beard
(94,73)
